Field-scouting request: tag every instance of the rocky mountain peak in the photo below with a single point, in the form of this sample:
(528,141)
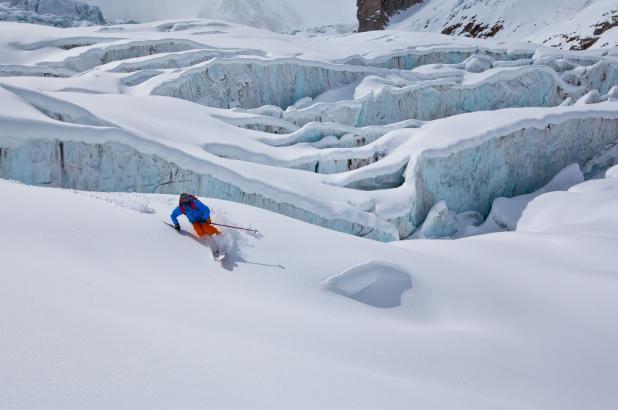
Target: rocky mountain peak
(375,14)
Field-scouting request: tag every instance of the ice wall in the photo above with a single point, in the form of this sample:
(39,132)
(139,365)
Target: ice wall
(115,167)
(251,83)
(516,163)
(96,55)
(430,100)
(434,55)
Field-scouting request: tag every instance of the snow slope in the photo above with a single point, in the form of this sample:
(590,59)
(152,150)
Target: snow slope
(585,209)
(121,311)
(558,23)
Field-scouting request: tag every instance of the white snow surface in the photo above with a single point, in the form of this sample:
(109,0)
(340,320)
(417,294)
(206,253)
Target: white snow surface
(105,307)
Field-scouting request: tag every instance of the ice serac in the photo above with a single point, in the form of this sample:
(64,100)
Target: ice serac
(63,13)
(418,57)
(252,83)
(517,160)
(504,215)
(536,86)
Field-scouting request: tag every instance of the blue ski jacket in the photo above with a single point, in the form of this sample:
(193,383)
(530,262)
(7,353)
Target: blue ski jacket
(195,212)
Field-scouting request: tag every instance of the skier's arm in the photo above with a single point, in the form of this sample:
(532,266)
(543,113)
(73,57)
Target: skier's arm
(175,216)
(203,209)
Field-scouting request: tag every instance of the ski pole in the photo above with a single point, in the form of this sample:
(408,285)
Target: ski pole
(227,226)
(235,227)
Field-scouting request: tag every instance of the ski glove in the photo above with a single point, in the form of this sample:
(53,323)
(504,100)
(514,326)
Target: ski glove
(177,227)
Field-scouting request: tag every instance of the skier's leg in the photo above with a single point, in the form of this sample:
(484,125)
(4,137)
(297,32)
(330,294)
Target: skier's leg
(209,234)
(203,229)
(199,229)
(210,229)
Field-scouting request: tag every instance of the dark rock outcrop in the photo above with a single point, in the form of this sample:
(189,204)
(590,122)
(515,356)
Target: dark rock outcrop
(374,14)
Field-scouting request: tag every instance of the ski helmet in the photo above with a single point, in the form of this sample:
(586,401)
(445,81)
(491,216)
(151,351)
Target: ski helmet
(185,199)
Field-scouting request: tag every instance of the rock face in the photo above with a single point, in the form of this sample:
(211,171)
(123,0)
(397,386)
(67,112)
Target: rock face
(62,13)
(374,14)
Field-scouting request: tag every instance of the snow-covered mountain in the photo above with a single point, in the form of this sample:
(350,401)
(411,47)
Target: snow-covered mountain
(575,24)
(60,13)
(273,15)
(375,14)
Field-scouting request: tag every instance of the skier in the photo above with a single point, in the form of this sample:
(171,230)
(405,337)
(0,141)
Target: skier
(197,213)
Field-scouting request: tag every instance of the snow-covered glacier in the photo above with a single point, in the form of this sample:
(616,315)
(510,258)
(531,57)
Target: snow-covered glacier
(382,129)
(319,146)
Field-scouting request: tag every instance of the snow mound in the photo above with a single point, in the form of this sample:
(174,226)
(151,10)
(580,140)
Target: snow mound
(377,284)
(588,208)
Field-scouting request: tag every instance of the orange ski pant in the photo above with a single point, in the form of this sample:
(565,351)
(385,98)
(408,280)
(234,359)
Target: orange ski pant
(203,229)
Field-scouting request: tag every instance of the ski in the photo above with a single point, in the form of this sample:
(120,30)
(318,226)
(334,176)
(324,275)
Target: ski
(217,256)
